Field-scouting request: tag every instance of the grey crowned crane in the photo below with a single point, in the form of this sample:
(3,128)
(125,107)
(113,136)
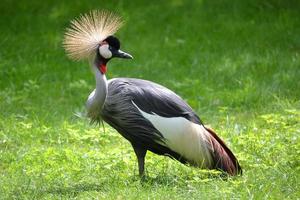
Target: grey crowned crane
(150,116)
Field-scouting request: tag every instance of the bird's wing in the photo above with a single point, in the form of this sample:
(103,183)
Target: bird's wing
(153,98)
(120,112)
(155,118)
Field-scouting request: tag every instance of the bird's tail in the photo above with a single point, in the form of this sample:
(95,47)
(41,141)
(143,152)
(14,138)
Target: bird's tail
(223,158)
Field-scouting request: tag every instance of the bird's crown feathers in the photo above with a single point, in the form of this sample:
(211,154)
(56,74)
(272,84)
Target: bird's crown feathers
(85,33)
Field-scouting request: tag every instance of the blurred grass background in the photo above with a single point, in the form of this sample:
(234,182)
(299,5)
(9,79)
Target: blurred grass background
(235,62)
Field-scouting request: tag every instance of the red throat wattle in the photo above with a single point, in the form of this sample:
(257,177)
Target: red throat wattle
(102,68)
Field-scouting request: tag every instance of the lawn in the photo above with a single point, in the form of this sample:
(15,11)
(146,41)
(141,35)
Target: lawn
(237,63)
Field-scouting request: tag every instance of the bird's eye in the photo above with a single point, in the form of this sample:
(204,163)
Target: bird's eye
(104,51)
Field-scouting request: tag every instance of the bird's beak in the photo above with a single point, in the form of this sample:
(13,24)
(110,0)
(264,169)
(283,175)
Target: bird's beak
(122,54)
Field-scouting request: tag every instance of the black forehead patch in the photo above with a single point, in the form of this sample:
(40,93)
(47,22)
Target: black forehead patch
(113,41)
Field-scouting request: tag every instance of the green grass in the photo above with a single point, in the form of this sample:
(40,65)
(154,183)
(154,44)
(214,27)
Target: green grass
(236,62)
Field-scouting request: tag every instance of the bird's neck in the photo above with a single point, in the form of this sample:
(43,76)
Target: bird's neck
(97,97)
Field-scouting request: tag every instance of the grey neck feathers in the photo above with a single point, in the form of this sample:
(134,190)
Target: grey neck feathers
(97,98)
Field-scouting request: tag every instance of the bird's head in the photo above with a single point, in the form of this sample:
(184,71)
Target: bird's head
(108,49)
(91,35)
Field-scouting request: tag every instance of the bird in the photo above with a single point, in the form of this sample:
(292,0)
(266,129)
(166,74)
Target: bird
(150,116)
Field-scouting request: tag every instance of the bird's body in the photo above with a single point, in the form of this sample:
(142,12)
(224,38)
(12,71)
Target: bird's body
(150,116)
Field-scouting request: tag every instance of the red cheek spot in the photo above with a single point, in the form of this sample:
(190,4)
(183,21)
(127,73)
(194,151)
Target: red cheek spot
(103,42)
(103,68)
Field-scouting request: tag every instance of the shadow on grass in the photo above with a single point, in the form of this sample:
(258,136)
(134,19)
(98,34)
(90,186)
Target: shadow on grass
(165,179)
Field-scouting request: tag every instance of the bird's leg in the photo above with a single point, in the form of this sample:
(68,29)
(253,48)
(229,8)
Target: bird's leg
(140,154)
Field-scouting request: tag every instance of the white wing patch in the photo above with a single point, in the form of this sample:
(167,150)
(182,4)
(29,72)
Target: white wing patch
(184,137)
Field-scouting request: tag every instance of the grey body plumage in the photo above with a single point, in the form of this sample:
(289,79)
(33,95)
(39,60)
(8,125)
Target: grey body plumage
(120,112)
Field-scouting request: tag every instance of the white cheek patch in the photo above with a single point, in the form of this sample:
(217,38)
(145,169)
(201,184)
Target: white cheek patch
(104,51)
